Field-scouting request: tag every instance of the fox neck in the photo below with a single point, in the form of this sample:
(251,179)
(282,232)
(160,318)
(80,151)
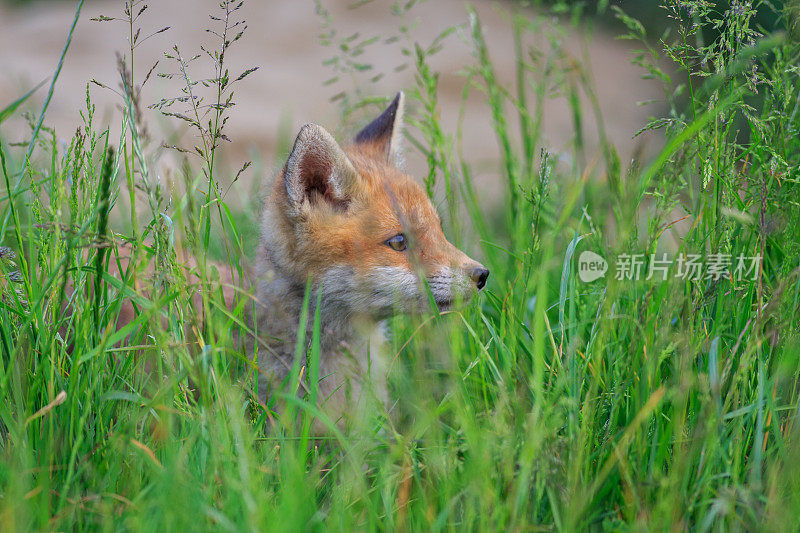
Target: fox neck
(281,297)
(348,342)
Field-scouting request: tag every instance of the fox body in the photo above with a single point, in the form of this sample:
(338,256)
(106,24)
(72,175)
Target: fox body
(366,235)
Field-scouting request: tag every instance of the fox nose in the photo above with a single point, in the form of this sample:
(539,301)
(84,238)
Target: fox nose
(479,275)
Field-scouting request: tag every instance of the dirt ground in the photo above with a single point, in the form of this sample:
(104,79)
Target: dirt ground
(289,88)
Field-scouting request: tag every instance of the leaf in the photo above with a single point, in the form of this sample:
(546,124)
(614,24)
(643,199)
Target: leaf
(181,116)
(99,84)
(246,73)
(149,72)
(177,148)
(241,170)
(8,111)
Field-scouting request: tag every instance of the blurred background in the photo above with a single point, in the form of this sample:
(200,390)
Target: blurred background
(320,60)
(300,48)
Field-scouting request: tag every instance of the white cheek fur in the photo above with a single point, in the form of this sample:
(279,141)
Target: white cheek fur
(400,281)
(449,283)
(377,292)
(383,288)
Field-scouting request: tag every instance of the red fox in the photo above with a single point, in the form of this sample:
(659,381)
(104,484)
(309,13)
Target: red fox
(366,235)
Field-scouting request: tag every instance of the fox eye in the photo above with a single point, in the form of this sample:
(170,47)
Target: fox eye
(398,242)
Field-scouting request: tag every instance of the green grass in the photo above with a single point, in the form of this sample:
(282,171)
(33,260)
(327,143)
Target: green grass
(549,403)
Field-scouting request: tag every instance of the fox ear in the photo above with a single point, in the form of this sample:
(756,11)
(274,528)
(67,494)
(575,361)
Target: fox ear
(382,135)
(318,170)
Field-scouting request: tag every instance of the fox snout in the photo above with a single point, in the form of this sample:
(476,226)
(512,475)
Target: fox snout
(457,285)
(473,271)
(479,274)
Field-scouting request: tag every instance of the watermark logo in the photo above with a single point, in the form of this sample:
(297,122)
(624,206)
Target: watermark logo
(693,267)
(591,266)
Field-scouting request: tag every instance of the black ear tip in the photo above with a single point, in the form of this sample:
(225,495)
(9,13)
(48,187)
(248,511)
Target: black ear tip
(381,131)
(394,105)
(399,100)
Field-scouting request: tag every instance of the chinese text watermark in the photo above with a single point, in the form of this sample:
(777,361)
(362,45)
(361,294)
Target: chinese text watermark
(693,267)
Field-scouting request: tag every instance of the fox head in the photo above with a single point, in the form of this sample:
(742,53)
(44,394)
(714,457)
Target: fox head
(364,231)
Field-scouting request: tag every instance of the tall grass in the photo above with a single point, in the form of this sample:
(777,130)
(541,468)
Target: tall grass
(550,403)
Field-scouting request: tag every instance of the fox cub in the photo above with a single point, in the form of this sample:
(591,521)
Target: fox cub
(365,234)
